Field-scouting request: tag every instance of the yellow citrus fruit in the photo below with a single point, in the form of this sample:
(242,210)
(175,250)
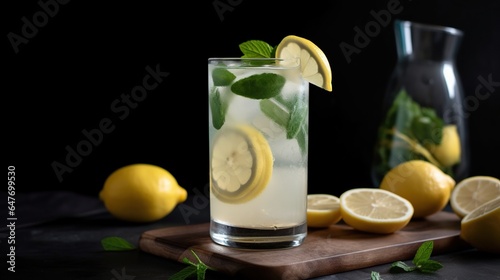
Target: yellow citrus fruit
(375,210)
(323,210)
(242,164)
(422,183)
(448,151)
(314,64)
(481,227)
(141,193)
(473,192)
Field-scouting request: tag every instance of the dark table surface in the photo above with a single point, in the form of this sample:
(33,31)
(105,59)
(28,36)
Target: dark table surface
(57,236)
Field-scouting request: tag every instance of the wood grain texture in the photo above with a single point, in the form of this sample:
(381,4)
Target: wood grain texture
(336,249)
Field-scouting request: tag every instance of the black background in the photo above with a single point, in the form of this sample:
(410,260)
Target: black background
(64,79)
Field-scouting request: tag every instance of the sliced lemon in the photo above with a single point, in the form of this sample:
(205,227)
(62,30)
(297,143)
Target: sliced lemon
(242,164)
(375,210)
(323,210)
(473,192)
(314,64)
(481,227)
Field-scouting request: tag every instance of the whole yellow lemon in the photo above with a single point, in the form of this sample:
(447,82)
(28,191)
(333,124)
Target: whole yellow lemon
(423,184)
(448,152)
(141,193)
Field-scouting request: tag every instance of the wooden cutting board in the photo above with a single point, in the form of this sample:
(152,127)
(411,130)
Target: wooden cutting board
(336,249)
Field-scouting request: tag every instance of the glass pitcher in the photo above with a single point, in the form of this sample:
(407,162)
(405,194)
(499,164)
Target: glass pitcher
(423,113)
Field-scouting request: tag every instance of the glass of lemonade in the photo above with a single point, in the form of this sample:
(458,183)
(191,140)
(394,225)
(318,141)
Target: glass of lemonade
(258,139)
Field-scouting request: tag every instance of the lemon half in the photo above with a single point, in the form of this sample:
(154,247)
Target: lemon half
(481,227)
(323,210)
(314,64)
(241,165)
(473,192)
(375,210)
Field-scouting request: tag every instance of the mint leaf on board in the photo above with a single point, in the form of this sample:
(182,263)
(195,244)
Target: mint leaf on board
(259,86)
(116,244)
(256,49)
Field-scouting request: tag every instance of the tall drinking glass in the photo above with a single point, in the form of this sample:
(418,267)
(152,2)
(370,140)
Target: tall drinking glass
(258,139)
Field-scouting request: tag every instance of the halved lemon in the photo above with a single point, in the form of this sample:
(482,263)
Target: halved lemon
(473,192)
(242,164)
(323,210)
(314,64)
(481,227)
(375,210)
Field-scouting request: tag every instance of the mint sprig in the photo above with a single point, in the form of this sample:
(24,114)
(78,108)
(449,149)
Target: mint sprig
(199,269)
(421,261)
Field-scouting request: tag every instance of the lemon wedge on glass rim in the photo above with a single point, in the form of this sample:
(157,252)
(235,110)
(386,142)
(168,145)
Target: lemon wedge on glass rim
(314,64)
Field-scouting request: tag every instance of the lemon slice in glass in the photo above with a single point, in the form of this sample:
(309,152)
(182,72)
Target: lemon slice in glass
(242,164)
(473,192)
(375,210)
(314,64)
(323,210)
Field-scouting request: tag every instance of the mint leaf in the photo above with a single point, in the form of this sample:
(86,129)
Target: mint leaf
(275,111)
(218,108)
(302,140)
(375,276)
(424,252)
(278,110)
(222,77)
(256,49)
(184,273)
(199,269)
(421,260)
(418,125)
(259,86)
(428,127)
(401,265)
(298,116)
(116,244)
(429,266)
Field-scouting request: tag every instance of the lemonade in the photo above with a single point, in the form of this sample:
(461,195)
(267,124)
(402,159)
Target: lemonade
(258,134)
